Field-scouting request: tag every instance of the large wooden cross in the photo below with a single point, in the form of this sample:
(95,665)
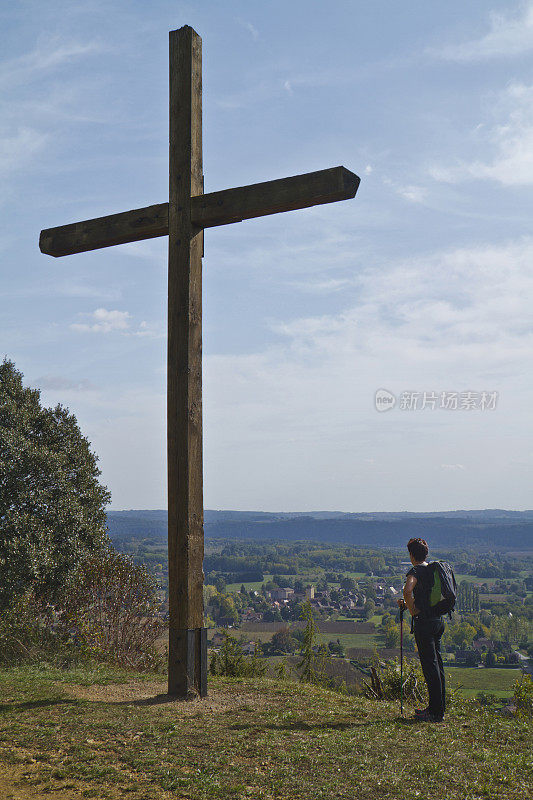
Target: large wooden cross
(183,219)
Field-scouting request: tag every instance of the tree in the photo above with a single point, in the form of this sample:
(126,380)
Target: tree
(283,642)
(392,636)
(272,615)
(348,583)
(307,664)
(467,597)
(370,608)
(52,506)
(228,609)
(336,648)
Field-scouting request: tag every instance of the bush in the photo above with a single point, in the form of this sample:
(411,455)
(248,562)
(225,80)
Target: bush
(387,681)
(523,697)
(31,633)
(486,699)
(113,606)
(231,661)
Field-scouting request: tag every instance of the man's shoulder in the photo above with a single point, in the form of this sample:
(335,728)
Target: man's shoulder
(419,570)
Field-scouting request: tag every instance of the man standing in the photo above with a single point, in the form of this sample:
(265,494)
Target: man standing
(428,630)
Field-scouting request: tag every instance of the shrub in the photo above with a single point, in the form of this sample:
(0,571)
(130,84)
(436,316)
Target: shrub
(231,661)
(485,699)
(387,681)
(113,605)
(31,632)
(523,697)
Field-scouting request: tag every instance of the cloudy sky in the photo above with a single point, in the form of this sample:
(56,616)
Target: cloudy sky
(421,286)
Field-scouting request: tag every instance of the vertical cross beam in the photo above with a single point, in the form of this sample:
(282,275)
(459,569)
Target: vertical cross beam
(187,637)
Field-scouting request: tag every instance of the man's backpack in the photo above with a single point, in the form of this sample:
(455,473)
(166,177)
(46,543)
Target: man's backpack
(438,591)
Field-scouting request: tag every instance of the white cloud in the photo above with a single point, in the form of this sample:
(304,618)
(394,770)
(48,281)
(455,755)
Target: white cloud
(415,194)
(254,33)
(411,192)
(512,139)
(509,35)
(30,113)
(60,383)
(18,147)
(321,286)
(49,54)
(452,321)
(104,321)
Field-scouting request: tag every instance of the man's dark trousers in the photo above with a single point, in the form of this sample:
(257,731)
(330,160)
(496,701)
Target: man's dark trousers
(428,633)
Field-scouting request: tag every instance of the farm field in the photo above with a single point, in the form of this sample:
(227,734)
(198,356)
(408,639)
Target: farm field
(499,682)
(249,586)
(473,579)
(365,641)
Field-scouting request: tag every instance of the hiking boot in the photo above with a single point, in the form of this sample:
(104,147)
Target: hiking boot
(421,711)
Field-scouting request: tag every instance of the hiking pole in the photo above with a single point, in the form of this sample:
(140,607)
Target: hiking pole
(401,659)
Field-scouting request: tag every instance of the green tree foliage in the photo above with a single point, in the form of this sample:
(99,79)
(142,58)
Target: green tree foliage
(231,661)
(392,636)
(467,597)
(370,609)
(52,506)
(336,648)
(307,664)
(523,697)
(460,633)
(283,642)
(348,583)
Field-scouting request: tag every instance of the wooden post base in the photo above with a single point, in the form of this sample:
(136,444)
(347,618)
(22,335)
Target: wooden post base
(187,650)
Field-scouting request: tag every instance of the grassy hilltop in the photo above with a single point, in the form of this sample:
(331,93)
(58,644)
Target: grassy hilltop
(107,734)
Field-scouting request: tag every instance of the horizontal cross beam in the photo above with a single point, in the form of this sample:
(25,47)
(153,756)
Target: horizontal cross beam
(207,211)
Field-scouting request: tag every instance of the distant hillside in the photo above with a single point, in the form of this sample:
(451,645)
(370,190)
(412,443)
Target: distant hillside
(493,529)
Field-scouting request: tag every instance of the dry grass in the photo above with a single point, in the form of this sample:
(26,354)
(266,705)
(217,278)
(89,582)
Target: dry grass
(103,736)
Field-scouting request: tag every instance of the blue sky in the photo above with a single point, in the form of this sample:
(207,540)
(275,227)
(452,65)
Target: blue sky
(422,283)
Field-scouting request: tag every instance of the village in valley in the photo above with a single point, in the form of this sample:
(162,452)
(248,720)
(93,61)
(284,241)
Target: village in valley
(256,593)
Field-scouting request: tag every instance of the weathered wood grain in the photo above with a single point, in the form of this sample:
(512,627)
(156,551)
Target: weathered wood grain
(206,211)
(92,234)
(273,197)
(184,379)
(183,218)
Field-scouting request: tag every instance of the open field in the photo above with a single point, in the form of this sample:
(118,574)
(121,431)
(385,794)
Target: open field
(499,682)
(348,640)
(250,586)
(473,579)
(63,736)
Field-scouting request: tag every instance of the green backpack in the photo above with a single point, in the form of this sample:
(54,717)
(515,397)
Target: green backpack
(437,593)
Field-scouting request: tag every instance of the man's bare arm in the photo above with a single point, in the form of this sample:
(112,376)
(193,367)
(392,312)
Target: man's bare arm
(408,596)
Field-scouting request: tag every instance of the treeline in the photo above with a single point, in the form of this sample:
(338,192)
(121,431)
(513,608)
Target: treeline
(297,558)
(483,530)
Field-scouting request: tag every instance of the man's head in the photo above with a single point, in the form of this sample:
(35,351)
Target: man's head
(418,550)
